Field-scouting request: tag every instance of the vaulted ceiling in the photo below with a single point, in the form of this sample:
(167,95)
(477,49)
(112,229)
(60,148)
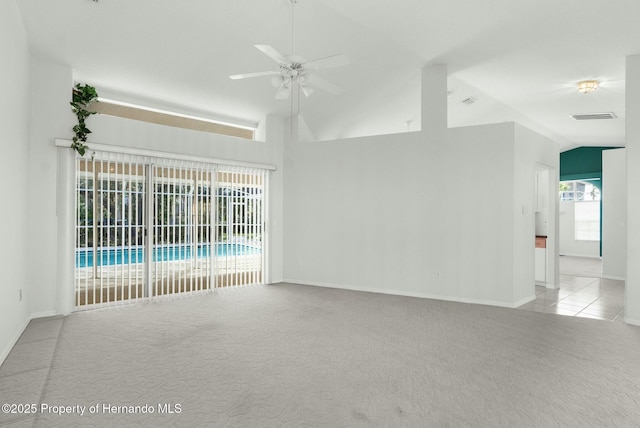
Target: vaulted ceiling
(517,59)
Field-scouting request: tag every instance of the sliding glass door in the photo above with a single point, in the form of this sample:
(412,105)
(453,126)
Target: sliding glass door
(153,227)
(110,228)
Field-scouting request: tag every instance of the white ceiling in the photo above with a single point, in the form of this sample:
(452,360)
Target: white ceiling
(520,59)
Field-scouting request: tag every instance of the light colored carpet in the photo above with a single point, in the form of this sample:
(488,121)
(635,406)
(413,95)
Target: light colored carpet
(295,356)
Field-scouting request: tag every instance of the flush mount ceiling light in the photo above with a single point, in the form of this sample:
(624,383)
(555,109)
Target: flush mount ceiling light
(588,86)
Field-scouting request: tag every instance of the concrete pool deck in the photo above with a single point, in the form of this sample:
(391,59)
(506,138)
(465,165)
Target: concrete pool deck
(119,283)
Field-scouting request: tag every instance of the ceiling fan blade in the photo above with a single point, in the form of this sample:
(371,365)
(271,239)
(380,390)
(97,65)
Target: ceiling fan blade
(247,75)
(273,54)
(284,91)
(306,90)
(331,61)
(320,83)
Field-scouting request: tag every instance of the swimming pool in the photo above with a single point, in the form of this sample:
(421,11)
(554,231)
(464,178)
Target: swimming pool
(134,255)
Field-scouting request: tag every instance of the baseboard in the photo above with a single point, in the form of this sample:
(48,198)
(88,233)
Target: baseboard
(407,293)
(631,321)
(586,256)
(617,278)
(7,350)
(44,314)
(524,301)
(549,285)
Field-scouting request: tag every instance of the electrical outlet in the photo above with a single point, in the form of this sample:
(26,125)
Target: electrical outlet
(438,274)
(20,295)
(300,261)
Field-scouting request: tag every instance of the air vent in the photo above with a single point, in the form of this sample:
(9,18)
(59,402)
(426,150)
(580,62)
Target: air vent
(593,116)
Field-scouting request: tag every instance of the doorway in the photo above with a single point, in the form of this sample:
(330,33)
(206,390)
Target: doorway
(545,227)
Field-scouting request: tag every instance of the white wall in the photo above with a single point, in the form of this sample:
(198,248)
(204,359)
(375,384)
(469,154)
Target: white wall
(362,214)
(132,133)
(14,173)
(614,214)
(568,244)
(426,213)
(478,220)
(52,118)
(632,121)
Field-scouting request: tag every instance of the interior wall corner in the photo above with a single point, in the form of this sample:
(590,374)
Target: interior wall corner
(434,98)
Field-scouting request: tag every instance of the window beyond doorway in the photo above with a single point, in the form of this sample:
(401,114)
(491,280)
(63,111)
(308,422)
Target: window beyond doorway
(586,198)
(578,190)
(587,221)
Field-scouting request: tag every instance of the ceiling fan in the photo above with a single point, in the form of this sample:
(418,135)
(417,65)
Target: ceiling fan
(294,70)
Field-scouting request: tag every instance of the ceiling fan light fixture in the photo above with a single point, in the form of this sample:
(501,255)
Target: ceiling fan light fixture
(293,73)
(588,86)
(307,91)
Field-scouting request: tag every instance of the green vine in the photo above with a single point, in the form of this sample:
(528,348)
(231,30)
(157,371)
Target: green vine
(83,96)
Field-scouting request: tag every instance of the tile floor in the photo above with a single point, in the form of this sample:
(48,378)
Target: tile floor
(581,296)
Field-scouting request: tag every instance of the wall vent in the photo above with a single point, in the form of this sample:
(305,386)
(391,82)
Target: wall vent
(593,116)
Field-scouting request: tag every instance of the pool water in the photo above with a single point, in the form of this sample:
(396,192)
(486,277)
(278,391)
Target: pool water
(134,255)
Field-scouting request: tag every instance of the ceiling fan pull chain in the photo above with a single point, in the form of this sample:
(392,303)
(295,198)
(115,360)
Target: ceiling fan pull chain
(293,6)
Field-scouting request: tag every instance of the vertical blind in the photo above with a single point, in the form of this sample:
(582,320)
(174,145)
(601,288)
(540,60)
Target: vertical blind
(149,227)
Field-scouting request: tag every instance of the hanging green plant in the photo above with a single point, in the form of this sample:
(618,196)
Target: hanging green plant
(83,96)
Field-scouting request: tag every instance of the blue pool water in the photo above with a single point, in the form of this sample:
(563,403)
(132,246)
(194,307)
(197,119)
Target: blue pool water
(119,256)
